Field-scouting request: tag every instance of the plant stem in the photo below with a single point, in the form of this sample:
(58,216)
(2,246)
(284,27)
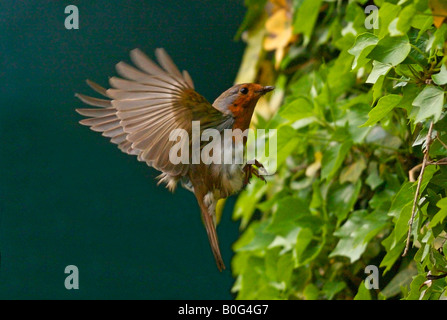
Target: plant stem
(428,142)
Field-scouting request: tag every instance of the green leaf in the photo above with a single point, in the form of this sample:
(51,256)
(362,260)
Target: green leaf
(284,268)
(392,254)
(387,13)
(383,107)
(403,197)
(392,28)
(255,8)
(379,69)
(436,40)
(402,279)
(374,180)
(405,19)
(353,172)
(311,292)
(441,77)
(430,102)
(356,232)
(246,203)
(391,50)
(333,158)
(442,213)
(341,199)
(331,288)
(255,238)
(363,45)
(361,227)
(363,293)
(289,209)
(299,108)
(345,247)
(303,239)
(415,287)
(305,18)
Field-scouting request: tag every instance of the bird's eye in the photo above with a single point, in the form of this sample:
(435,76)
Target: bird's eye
(244,90)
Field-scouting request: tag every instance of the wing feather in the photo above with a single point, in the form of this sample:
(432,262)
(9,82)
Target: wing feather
(145,105)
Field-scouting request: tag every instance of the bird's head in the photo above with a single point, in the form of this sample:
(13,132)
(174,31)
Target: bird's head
(239,101)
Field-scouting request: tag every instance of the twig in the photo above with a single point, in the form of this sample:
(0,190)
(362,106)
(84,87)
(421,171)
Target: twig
(428,141)
(442,162)
(412,171)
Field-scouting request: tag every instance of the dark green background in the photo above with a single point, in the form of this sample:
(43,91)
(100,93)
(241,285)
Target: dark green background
(67,195)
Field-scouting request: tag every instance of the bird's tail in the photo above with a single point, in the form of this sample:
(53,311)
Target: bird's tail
(212,234)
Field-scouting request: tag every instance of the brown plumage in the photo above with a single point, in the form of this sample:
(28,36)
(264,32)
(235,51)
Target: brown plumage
(143,108)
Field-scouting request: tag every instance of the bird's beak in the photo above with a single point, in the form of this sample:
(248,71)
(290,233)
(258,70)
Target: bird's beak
(267,89)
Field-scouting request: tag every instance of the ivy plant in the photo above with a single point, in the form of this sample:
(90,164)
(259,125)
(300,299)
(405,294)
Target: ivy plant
(361,179)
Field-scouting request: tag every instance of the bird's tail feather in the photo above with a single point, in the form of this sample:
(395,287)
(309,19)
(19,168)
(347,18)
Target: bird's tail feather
(212,235)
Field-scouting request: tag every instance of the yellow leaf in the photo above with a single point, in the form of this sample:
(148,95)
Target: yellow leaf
(312,169)
(279,29)
(279,3)
(439,11)
(353,172)
(253,55)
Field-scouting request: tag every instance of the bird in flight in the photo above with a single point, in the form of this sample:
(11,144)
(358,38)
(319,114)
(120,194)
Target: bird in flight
(150,102)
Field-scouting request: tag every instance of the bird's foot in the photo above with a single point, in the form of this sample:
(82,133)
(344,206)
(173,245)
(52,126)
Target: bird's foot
(250,170)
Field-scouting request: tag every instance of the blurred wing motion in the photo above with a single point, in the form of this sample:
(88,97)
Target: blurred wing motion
(144,108)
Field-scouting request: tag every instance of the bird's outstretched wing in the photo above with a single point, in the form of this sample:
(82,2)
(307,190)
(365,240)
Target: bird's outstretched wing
(146,105)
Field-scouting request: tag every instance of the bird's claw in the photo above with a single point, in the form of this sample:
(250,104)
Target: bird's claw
(250,171)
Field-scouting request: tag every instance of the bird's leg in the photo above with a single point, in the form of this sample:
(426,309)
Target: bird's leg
(250,170)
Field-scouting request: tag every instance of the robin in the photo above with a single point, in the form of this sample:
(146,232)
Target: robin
(149,102)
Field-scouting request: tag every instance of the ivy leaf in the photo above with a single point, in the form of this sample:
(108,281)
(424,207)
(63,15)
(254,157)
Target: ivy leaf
(379,69)
(394,250)
(311,292)
(297,109)
(374,180)
(387,13)
(363,45)
(415,287)
(246,203)
(256,238)
(356,232)
(333,158)
(305,18)
(353,172)
(402,279)
(436,40)
(383,107)
(331,288)
(363,293)
(442,213)
(439,10)
(345,247)
(289,209)
(399,26)
(392,28)
(287,141)
(430,102)
(441,77)
(303,239)
(341,199)
(391,50)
